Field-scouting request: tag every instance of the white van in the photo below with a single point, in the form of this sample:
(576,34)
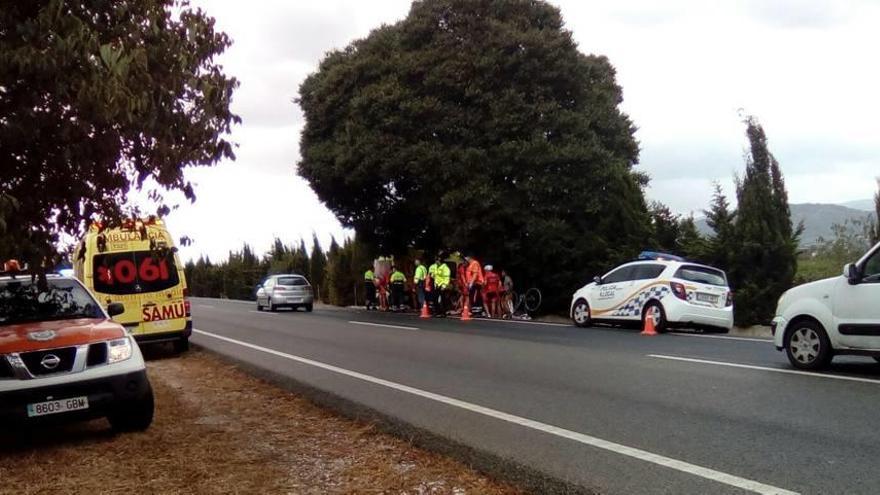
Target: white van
(840,315)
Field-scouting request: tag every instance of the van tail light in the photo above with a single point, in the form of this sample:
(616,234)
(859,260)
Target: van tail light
(678,290)
(186,308)
(186,292)
(729,301)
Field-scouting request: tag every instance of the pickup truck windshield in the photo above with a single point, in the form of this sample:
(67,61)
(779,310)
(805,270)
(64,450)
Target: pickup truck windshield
(22,301)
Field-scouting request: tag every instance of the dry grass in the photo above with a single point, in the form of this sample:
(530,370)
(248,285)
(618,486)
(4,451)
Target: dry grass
(219,430)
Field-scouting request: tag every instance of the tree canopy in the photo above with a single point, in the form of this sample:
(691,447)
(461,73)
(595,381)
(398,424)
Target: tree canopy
(478,126)
(98,97)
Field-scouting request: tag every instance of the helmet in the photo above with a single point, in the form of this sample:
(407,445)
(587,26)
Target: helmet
(488,268)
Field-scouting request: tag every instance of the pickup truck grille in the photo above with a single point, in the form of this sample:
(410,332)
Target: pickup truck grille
(49,361)
(97,354)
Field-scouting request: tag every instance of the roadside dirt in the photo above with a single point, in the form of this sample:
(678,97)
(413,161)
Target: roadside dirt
(219,430)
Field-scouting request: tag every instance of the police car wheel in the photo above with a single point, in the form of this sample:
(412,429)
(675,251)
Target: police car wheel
(655,310)
(272,307)
(581,313)
(807,346)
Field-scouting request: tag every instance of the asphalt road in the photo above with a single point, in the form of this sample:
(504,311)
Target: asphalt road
(603,408)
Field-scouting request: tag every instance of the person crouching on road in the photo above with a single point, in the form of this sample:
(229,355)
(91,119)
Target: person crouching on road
(492,293)
(370,289)
(398,284)
(440,275)
(507,294)
(419,279)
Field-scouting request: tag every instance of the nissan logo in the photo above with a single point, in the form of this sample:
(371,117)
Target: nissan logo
(50,361)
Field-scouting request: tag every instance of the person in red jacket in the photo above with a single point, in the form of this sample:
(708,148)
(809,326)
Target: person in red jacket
(492,293)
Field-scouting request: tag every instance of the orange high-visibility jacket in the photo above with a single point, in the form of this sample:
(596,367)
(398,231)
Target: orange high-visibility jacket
(474,273)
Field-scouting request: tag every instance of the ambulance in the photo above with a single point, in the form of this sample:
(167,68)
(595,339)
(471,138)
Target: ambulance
(136,264)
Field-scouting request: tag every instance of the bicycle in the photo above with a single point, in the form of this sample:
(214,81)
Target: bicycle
(518,306)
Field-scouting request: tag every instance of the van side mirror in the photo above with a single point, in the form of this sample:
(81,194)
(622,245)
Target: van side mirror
(851,272)
(597,280)
(116,308)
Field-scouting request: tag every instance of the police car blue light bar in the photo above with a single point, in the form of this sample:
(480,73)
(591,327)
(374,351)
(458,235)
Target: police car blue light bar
(652,255)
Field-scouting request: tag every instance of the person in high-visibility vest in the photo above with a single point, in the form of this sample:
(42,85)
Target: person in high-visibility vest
(441,277)
(398,283)
(370,289)
(419,279)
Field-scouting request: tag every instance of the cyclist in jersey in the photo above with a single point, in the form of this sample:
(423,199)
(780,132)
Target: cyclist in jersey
(492,293)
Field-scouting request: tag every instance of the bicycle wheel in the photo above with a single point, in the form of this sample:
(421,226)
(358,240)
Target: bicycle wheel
(533,300)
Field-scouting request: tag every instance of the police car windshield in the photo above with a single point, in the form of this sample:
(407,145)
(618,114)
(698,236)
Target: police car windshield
(702,275)
(295,281)
(22,301)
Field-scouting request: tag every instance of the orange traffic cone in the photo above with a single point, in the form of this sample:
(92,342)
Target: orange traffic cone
(425,312)
(466,312)
(649,326)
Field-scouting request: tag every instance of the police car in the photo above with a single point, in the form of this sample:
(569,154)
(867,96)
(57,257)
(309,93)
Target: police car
(667,288)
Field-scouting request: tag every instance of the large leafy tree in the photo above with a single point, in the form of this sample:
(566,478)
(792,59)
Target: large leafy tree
(764,262)
(97,97)
(873,229)
(478,126)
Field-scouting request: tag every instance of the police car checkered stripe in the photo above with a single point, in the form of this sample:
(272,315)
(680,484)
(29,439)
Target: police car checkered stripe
(634,306)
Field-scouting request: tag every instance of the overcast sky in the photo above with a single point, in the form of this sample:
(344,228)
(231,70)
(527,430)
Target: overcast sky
(806,68)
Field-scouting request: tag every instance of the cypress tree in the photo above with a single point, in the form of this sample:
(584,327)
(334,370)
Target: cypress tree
(720,220)
(874,230)
(317,268)
(764,262)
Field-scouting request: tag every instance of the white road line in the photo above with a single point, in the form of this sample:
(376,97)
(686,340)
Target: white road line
(205,306)
(366,323)
(723,337)
(643,455)
(262,313)
(765,368)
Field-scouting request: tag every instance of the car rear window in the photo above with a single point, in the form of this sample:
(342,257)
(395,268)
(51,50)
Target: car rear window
(702,275)
(294,281)
(134,272)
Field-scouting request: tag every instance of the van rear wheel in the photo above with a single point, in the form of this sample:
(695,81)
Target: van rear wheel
(181,345)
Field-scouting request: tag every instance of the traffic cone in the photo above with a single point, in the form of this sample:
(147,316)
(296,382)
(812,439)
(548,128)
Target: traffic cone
(649,329)
(425,312)
(466,312)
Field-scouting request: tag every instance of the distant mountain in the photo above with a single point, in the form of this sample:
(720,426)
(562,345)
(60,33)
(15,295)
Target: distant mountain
(862,204)
(817,218)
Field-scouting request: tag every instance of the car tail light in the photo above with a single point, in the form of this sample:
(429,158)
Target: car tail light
(186,292)
(678,290)
(729,301)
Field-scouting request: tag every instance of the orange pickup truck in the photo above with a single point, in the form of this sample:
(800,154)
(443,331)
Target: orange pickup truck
(63,358)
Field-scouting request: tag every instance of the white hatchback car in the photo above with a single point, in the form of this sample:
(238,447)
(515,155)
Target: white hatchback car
(672,291)
(840,315)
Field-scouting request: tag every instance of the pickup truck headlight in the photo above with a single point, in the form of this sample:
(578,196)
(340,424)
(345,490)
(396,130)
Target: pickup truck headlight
(118,350)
